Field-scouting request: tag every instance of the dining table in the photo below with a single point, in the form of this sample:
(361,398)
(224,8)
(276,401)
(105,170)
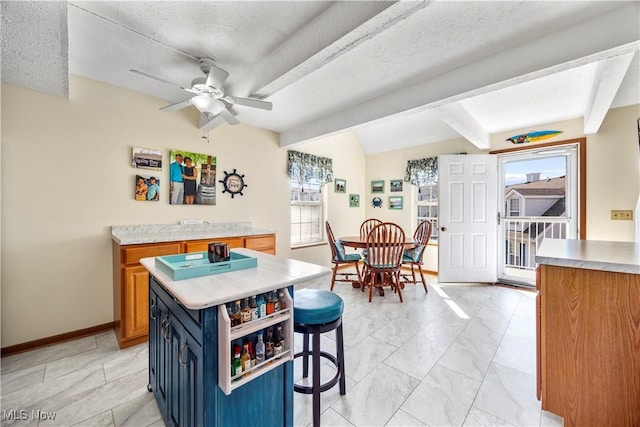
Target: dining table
(360,242)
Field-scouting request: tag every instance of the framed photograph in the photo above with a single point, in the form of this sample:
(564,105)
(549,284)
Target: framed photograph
(192,178)
(146,158)
(341,185)
(377,186)
(354,200)
(147,188)
(395,185)
(395,202)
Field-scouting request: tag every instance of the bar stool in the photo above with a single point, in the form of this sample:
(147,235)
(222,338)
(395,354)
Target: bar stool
(315,312)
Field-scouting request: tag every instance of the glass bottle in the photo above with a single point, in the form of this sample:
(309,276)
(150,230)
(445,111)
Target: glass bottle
(246,311)
(260,350)
(252,354)
(236,364)
(279,342)
(276,301)
(262,306)
(245,358)
(282,302)
(270,303)
(269,344)
(236,318)
(253,305)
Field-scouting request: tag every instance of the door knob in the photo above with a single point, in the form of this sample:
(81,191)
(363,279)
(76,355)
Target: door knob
(443,228)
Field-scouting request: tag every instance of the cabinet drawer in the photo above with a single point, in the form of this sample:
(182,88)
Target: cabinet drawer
(133,254)
(202,245)
(261,243)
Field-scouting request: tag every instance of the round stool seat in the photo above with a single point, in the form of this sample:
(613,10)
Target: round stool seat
(316,306)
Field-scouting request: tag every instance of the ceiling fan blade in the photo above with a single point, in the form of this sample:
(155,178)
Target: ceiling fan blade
(216,77)
(178,106)
(248,102)
(209,122)
(230,118)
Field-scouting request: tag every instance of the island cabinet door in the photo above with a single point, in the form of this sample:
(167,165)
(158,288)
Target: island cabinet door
(186,377)
(162,357)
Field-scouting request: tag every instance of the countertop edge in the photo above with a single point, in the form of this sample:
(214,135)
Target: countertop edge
(160,237)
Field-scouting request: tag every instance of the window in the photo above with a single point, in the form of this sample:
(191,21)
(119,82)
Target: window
(423,173)
(514,207)
(306,213)
(427,204)
(307,174)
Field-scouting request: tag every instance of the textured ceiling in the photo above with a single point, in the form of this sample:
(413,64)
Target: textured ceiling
(397,73)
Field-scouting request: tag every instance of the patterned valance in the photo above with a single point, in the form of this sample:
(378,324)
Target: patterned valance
(304,167)
(422,172)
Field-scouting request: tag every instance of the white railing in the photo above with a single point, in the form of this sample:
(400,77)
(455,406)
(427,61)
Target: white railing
(522,237)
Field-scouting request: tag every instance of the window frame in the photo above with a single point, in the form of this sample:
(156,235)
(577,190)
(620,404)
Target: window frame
(430,203)
(320,203)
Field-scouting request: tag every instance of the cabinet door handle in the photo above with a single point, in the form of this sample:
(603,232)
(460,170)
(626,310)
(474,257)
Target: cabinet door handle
(152,310)
(180,359)
(164,330)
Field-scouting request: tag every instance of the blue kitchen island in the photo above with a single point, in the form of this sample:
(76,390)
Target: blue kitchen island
(191,339)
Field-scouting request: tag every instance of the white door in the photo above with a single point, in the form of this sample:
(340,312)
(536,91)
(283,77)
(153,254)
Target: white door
(467,243)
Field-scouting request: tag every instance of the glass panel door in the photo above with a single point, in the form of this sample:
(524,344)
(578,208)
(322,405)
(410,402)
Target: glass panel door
(538,200)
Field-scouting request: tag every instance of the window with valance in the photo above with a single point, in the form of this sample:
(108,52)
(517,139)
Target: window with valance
(307,174)
(424,174)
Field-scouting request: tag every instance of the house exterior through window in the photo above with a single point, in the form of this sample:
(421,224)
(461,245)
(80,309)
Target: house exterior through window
(306,213)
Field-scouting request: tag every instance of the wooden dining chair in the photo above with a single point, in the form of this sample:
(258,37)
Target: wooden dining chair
(339,258)
(413,257)
(367,226)
(385,245)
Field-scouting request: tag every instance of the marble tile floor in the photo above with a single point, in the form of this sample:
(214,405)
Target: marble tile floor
(461,355)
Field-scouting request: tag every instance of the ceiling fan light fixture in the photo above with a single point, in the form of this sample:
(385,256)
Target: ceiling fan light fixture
(206,104)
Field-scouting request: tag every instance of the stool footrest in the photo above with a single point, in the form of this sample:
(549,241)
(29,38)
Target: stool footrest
(323,387)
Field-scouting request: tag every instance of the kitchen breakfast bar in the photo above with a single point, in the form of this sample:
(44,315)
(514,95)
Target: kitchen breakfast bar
(192,336)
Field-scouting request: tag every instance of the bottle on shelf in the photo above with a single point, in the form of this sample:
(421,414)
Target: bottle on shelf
(260,349)
(262,306)
(282,303)
(246,311)
(252,353)
(269,352)
(270,303)
(236,364)
(279,341)
(276,302)
(245,358)
(236,316)
(253,305)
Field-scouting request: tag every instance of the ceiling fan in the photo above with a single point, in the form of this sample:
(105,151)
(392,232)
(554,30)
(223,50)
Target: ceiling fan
(209,97)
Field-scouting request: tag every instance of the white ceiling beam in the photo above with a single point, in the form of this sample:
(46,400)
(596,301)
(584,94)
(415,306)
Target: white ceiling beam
(607,35)
(607,81)
(314,46)
(461,120)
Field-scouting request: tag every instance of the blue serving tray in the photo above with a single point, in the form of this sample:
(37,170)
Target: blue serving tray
(196,264)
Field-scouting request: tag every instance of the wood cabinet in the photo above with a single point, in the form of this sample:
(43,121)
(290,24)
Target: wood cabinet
(184,371)
(588,344)
(131,280)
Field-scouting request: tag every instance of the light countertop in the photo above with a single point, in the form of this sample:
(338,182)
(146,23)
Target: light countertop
(271,273)
(154,233)
(621,257)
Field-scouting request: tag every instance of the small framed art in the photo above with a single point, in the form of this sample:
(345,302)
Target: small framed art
(340,185)
(377,186)
(395,202)
(395,185)
(354,200)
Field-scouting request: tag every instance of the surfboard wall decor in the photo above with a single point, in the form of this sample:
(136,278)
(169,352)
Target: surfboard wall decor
(536,136)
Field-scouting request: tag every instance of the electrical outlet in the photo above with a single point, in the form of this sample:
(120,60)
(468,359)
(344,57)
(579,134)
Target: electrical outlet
(622,215)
